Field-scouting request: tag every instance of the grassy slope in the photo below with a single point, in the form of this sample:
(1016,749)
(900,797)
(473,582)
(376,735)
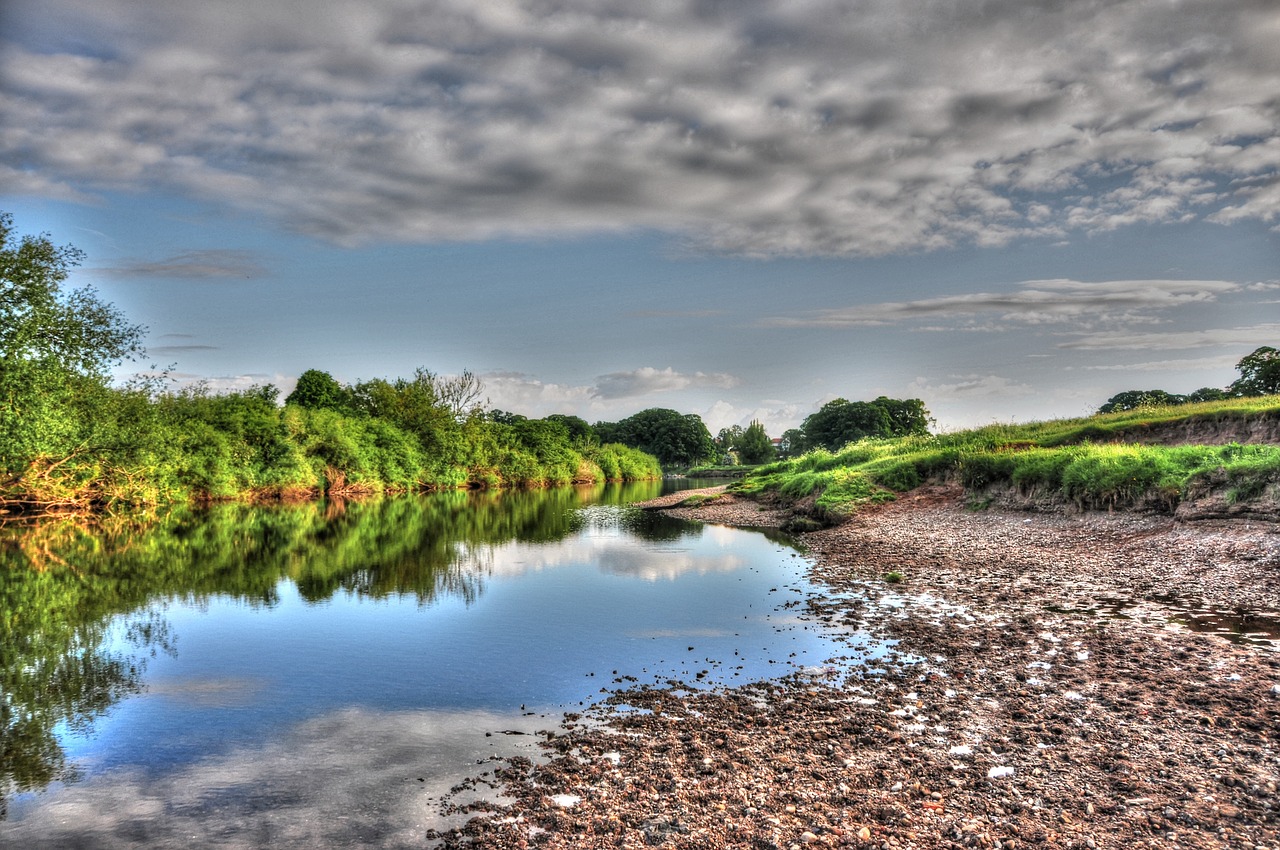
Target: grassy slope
(1095,462)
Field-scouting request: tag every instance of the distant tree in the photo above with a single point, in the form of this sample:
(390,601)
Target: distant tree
(317,390)
(1259,373)
(1136,399)
(728,441)
(793,443)
(462,394)
(755,445)
(908,417)
(1207,394)
(579,431)
(607,432)
(505,417)
(840,421)
(675,439)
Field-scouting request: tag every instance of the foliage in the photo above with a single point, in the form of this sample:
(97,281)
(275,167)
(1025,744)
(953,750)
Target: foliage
(755,446)
(1259,373)
(1095,462)
(318,390)
(841,421)
(675,439)
(56,348)
(581,433)
(84,602)
(1139,399)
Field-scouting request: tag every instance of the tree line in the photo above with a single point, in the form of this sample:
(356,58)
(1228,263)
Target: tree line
(1259,375)
(70,439)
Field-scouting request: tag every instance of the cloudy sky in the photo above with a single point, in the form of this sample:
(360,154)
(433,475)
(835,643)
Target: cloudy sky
(1011,209)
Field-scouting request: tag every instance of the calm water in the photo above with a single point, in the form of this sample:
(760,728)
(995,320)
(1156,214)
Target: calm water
(315,675)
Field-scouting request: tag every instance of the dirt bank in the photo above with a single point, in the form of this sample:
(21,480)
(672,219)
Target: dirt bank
(1019,709)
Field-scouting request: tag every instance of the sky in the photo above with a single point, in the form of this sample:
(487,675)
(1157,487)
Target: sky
(1009,209)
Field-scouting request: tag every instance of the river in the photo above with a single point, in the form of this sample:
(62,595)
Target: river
(322,674)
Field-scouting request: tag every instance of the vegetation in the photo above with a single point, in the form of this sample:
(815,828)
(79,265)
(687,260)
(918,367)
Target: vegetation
(70,440)
(1098,462)
(841,421)
(750,445)
(677,440)
(1259,376)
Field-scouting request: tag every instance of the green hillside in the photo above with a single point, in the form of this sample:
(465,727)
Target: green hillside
(1153,459)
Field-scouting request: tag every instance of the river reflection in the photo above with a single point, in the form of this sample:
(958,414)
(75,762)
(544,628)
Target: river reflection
(312,673)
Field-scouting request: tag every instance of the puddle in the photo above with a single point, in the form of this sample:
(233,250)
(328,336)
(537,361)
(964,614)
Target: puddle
(1256,628)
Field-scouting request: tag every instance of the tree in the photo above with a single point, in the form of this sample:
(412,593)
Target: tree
(56,348)
(1259,373)
(841,421)
(1207,394)
(675,439)
(793,443)
(907,416)
(1136,399)
(755,445)
(318,390)
(579,431)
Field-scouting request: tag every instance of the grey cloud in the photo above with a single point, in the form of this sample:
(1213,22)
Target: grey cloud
(165,350)
(647,380)
(969,386)
(206,264)
(799,126)
(1265,334)
(1224,363)
(363,764)
(1037,302)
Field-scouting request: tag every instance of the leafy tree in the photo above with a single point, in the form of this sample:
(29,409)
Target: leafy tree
(674,439)
(907,416)
(56,349)
(579,431)
(415,405)
(841,421)
(755,445)
(728,439)
(1207,394)
(1259,373)
(1136,399)
(318,390)
(793,443)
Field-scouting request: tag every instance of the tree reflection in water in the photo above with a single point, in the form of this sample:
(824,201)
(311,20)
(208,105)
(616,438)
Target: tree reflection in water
(81,602)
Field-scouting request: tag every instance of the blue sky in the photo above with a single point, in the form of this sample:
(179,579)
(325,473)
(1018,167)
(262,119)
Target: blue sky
(1011,209)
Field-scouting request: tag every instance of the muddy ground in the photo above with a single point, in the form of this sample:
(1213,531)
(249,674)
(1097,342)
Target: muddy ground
(1047,689)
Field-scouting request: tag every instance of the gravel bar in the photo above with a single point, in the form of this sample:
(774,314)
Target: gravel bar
(1048,688)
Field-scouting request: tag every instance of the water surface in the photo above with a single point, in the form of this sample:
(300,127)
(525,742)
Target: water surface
(316,675)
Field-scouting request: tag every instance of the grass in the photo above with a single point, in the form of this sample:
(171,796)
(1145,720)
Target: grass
(1098,462)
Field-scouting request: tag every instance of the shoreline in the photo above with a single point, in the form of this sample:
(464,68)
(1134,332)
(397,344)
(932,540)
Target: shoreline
(1042,694)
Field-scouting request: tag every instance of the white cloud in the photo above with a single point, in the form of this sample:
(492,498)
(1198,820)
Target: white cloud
(786,126)
(776,416)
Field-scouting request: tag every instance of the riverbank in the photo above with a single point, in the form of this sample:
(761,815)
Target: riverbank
(1042,694)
